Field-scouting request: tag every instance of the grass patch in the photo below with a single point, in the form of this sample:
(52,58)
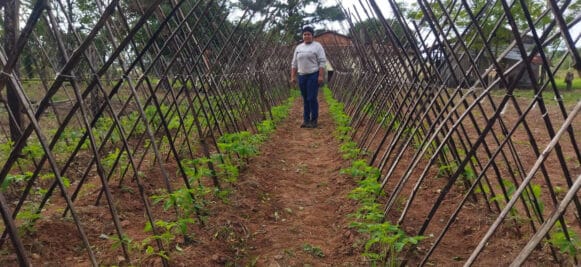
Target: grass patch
(570,97)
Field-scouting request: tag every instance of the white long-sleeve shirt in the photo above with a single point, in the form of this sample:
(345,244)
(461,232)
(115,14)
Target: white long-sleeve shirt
(308,58)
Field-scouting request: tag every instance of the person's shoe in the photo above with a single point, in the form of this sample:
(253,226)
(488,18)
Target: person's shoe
(312,124)
(305,125)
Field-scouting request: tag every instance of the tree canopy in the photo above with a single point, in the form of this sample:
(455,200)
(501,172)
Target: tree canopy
(289,16)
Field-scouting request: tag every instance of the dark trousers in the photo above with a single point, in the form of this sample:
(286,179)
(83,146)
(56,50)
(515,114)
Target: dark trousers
(309,90)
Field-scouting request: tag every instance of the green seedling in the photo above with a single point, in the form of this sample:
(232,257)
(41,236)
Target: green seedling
(313,250)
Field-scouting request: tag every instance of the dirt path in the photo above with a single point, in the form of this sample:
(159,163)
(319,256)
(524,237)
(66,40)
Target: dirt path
(288,208)
(293,200)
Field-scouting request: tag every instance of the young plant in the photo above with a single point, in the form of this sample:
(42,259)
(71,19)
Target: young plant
(5,149)
(14,179)
(243,144)
(189,204)
(350,150)
(313,250)
(26,218)
(569,246)
(385,241)
(118,242)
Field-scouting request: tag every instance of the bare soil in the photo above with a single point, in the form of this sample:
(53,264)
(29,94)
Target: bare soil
(290,201)
(289,208)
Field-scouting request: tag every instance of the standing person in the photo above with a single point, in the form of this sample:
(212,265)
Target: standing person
(309,63)
(569,79)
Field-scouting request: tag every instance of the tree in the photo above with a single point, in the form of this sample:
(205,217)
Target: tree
(457,26)
(371,30)
(11,26)
(486,14)
(289,16)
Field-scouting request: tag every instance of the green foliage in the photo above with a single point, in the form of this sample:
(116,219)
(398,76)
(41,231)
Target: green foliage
(447,170)
(360,169)
(193,202)
(367,191)
(188,203)
(186,200)
(109,160)
(225,169)
(169,232)
(244,144)
(14,179)
(102,127)
(373,30)
(26,218)
(5,149)
(469,173)
(152,114)
(191,205)
(494,11)
(313,250)
(174,122)
(279,113)
(34,149)
(291,15)
(510,188)
(388,240)
(532,194)
(51,176)
(266,127)
(131,120)
(68,142)
(536,191)
(196,168)
(118,242)
(350,150)
(342,133)
(569,97)
(341,119)
(569,246)
(575,86)
(368,108)
(384,240)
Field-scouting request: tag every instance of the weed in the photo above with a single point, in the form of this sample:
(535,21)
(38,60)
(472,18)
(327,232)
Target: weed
(254,261)
(289,251)
(447,170)
(118,242)
(301,168)
(313,250)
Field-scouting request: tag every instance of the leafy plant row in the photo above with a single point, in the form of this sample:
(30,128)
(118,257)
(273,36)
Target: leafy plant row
(384,241)
(191,205)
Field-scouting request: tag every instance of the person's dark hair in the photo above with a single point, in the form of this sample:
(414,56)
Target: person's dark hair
(308,29)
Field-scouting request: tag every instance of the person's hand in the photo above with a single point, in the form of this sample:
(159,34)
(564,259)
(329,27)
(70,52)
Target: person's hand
(320,80)
(293,80)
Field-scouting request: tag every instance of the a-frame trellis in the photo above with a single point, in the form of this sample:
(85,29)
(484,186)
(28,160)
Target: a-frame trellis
(140,86)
